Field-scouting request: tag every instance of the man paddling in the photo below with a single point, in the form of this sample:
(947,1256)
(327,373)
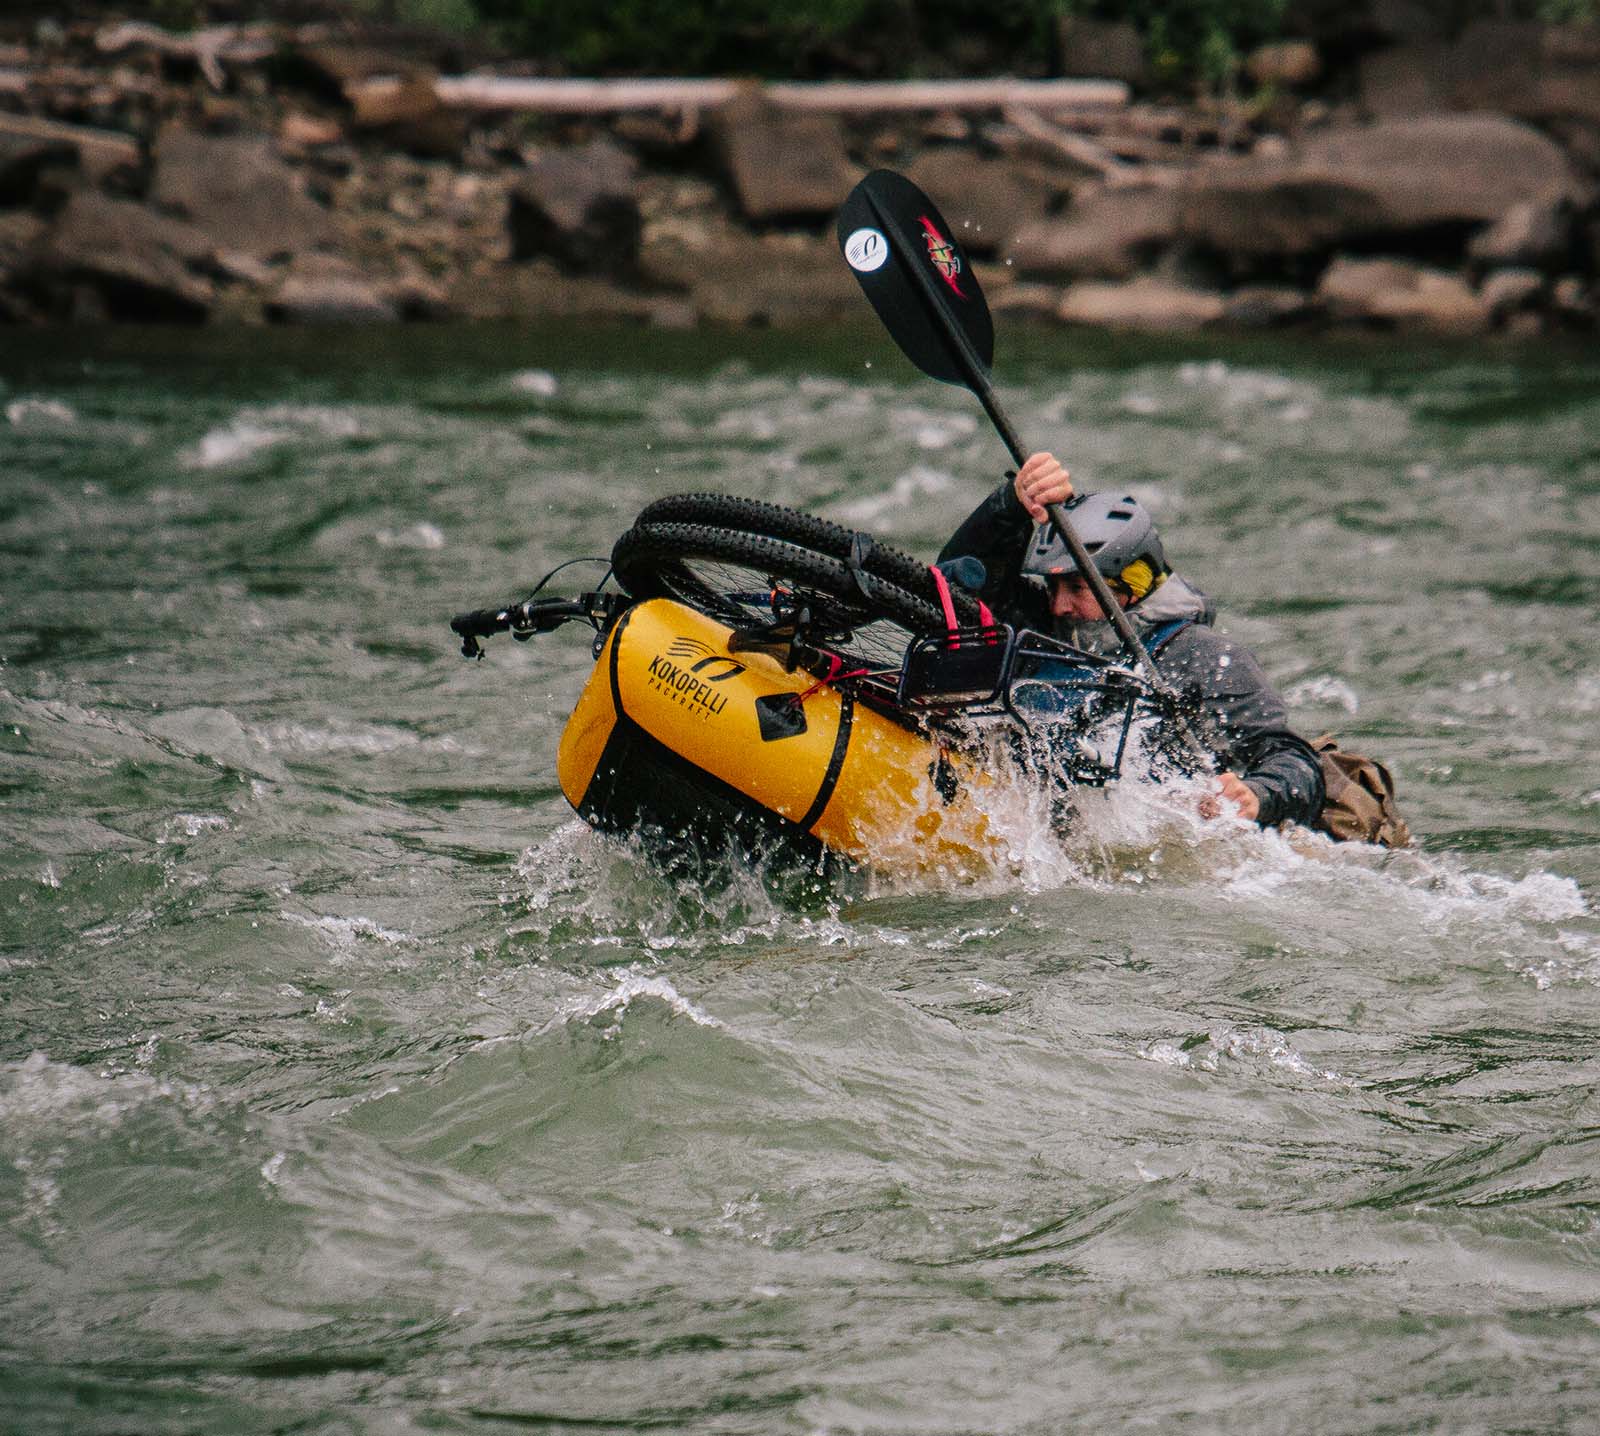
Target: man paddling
(1267,771)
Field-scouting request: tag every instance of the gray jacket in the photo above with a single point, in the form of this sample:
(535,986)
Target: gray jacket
(1241,718)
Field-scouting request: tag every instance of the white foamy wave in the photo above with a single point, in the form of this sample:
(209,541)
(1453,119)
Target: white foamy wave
(932,429)
(419,535)
(1539,896)
(1578,963)
(913,486)
(1322,689)
(47,1106)
(748,423)
(305,738)
(344,933)
(634,986)
(191,825)
(599,891)
(239,441)
(253,431)
(39,1095)
(538,382)
(40,414)
(1248,1047)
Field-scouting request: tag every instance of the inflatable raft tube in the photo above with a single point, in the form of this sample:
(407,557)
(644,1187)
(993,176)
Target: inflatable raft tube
(677,736)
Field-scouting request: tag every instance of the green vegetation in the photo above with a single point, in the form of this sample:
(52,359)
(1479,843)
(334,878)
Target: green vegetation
(868,37)
(1187,42)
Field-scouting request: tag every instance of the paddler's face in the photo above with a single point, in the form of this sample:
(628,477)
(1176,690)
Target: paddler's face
(1073,598)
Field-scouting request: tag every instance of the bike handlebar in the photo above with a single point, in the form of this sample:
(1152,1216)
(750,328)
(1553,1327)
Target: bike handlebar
(523,620)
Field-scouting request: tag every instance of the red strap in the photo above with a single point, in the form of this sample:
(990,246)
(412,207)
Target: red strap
(835,663)
(984,616)
(941,583)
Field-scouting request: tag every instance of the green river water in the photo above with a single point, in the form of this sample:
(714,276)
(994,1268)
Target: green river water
(349,1085)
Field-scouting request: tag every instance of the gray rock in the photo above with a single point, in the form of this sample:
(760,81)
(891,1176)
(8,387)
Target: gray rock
(1395,292)
(331,299)
(1291,64)
(238,192)
(1408,20)
(783,165)
(1537,72)
(1149,305)
(24,162)
(1033,301)
(1533,233)
(1574,301)
(1107,234)
(1410,79)
(986,200)
(1099,49)
(140,265)
(1532,71)
(1266,306)
(1507,291)
(579,207)
(1390,178)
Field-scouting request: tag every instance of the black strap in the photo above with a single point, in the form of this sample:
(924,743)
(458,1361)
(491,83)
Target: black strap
(841,746)
(861,547)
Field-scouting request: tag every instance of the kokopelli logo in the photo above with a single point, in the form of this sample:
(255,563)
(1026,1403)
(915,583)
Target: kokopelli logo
(704,661)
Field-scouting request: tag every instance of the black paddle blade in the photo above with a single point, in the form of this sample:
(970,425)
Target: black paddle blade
(918,278)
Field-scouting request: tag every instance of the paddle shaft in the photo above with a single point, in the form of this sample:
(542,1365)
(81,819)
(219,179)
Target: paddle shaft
(976,374)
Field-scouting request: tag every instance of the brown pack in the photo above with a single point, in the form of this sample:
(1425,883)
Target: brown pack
(1360,805)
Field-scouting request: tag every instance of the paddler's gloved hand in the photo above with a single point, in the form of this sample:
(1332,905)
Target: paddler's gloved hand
(965,572)
(1040,481)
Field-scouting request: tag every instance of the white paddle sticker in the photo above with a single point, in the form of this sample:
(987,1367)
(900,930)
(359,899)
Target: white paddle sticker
(866,250)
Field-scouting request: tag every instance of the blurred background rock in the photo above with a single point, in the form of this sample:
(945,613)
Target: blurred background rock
(1422,164)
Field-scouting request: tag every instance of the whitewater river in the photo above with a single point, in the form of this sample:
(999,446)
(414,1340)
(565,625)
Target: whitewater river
(349,1085)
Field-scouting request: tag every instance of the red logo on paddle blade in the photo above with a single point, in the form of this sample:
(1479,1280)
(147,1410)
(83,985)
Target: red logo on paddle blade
(943,255)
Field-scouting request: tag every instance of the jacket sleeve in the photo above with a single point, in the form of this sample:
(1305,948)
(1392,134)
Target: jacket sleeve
(1245,723)
(996,533)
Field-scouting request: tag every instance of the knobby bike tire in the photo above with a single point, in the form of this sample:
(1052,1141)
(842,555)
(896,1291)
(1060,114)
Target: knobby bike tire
(689,562)
(755,516)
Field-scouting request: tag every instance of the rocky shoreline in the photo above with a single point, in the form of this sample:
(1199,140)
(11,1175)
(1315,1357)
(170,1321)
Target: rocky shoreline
(276,175)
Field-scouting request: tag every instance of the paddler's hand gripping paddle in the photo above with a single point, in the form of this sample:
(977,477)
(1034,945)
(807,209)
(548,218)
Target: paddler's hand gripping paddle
(907,260)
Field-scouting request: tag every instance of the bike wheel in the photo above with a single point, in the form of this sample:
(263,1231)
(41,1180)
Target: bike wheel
(749,580)
(754,516)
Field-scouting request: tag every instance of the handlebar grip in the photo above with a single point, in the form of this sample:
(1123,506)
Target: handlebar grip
(481,622)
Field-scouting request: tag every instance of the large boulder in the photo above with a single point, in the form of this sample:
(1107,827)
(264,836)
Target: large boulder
(25,161)
(1538,72)
(238,192)
(1147,304)
(580,207)
(1101,50)
(1287,64)
(1365,182)
(140,265)
(1510,291)
(783,165)
(986,200)
(1534,72)
(1106,234)
(1532,234)
(331,298)
(1395,292)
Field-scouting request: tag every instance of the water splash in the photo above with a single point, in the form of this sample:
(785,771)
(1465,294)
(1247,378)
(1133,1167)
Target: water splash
(634,985)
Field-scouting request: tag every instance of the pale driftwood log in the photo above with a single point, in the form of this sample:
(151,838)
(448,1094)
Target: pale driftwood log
(1071,147)
(208,48)
(595,97)
(107,145)
(1170,170)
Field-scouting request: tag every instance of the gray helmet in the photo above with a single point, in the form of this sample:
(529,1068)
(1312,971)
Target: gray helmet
(1115,528)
